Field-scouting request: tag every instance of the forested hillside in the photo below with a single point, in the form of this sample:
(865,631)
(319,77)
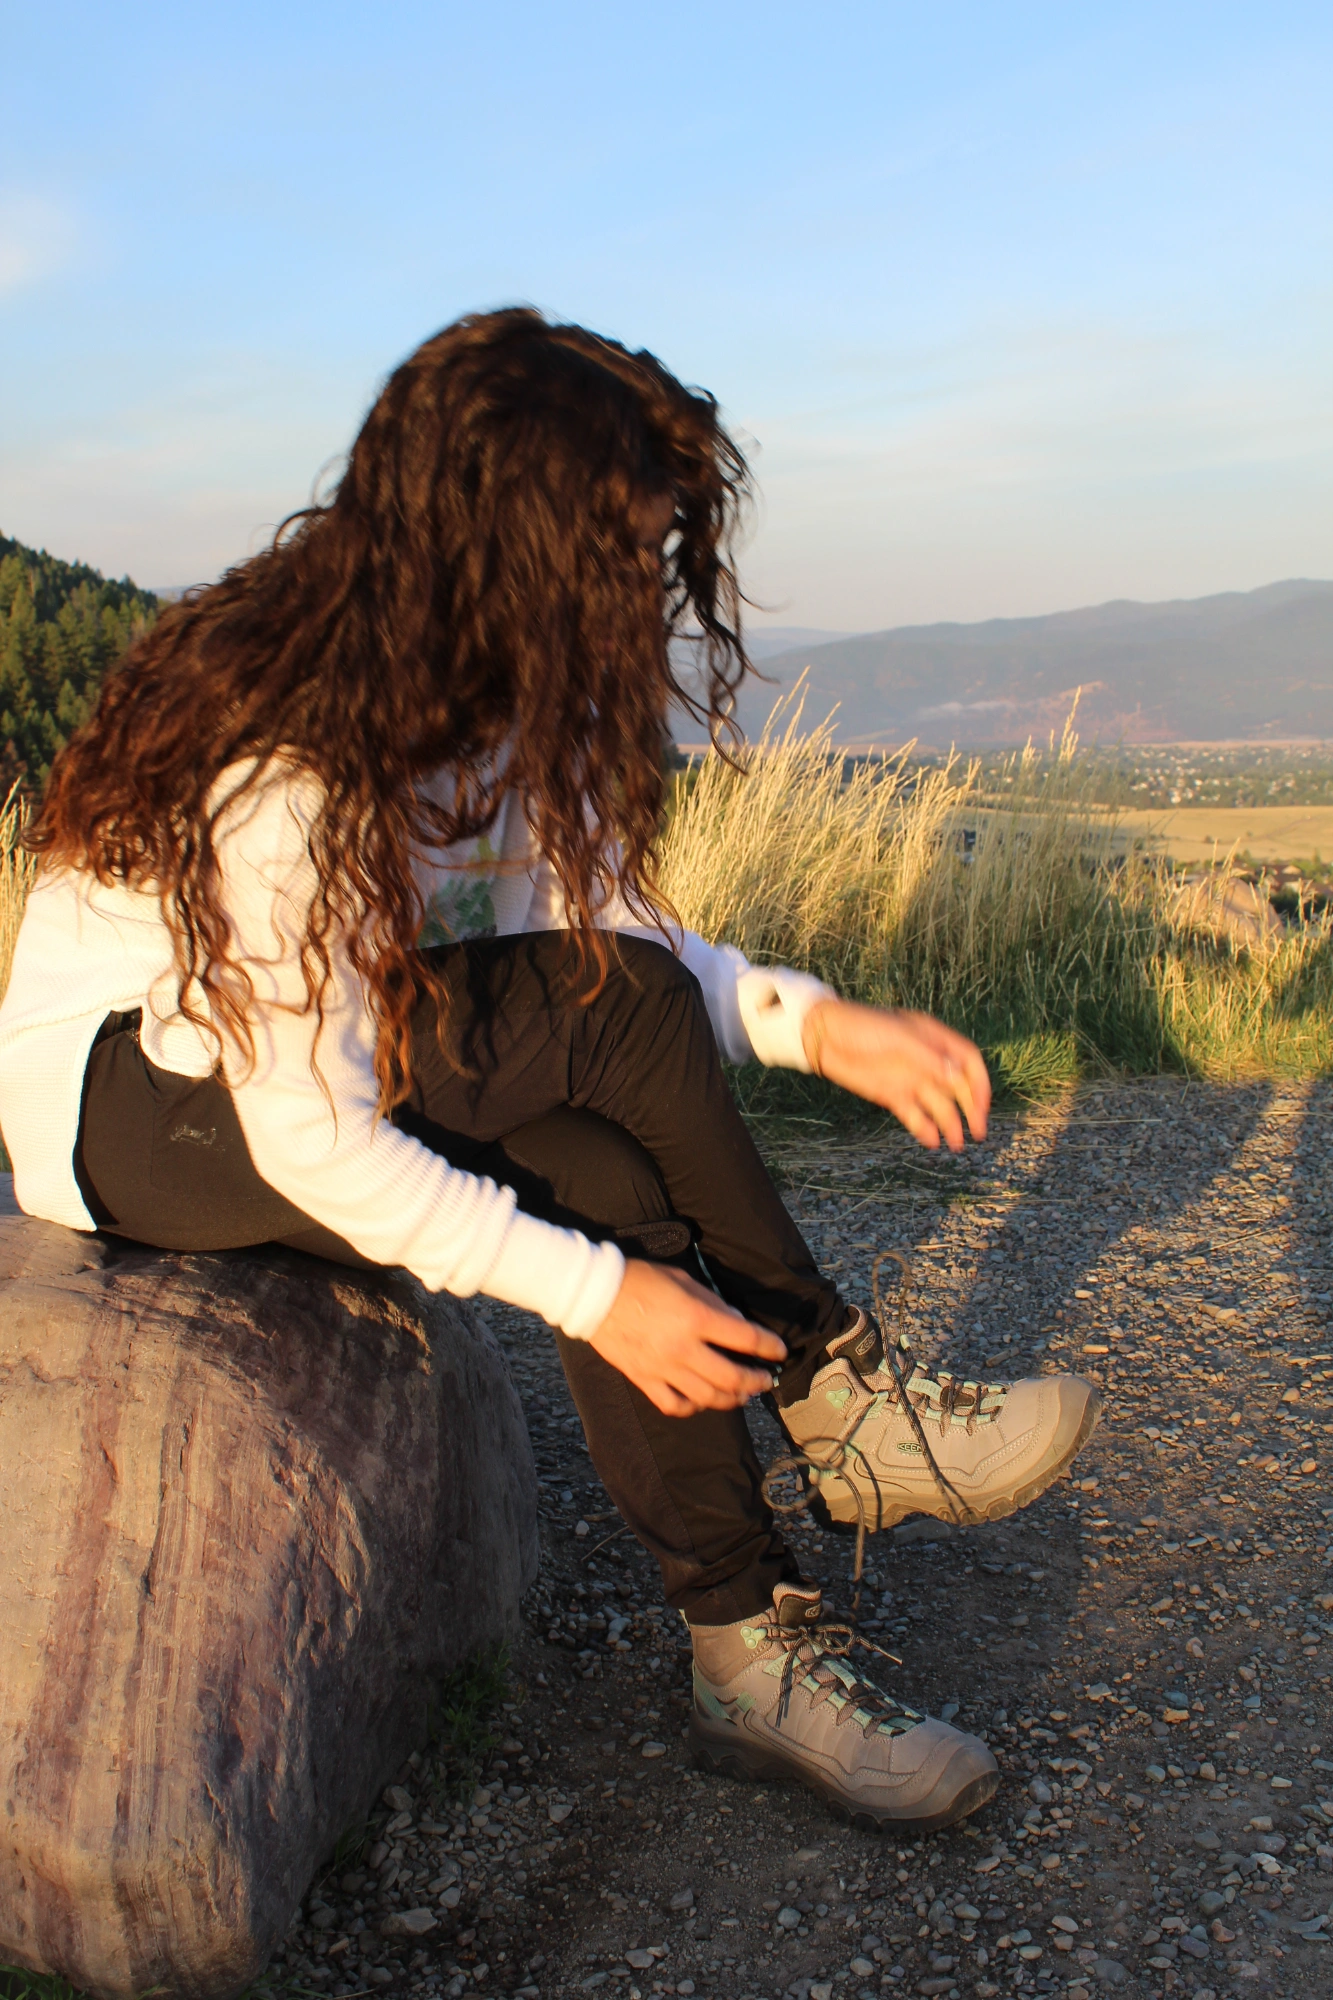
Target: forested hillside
(61,626)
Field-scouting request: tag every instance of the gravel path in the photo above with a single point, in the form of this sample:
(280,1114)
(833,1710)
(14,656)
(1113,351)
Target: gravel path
(1147,1648)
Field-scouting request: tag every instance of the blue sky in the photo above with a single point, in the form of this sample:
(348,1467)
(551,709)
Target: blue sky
(1021,307)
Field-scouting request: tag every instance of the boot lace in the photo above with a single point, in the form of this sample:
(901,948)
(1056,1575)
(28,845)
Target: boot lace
(949,1400)
(813,1660)
(818,1650)
(814,1653)
(945,1401)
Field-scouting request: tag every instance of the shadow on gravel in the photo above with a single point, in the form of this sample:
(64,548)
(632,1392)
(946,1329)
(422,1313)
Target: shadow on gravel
(1310,1196)
(1082,1200)
(995,1607)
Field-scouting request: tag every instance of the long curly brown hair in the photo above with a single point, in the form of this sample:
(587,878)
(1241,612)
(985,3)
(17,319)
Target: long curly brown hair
(476,596)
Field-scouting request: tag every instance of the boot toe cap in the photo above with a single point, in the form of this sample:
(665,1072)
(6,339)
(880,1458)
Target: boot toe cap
(956,1773)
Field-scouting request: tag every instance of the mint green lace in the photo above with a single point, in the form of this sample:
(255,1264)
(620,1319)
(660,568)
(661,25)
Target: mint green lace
(819,1651)
(952,1400)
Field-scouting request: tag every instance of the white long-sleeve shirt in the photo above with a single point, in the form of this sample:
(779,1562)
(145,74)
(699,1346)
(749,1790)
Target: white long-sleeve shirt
(85,950)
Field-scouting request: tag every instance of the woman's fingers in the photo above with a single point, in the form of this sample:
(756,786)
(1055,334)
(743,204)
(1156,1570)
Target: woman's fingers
(665,1333)
(703,1395)
(698,1369)
(962,1072)
(940,1105)
(712,1368)
(672,1404)
(742,1336)
(928,1110)
(669,1401)
(923,1072)
(921,1128)
(680,1393)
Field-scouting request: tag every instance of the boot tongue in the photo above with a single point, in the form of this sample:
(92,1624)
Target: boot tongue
(797,1604)
(860,1343)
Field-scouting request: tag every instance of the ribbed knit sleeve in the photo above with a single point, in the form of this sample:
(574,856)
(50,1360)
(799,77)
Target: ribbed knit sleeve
(326,1148)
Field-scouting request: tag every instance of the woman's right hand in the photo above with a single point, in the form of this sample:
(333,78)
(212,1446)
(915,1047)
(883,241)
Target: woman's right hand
(663,1332)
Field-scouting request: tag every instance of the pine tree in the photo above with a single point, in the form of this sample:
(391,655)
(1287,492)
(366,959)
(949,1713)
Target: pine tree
(63,626)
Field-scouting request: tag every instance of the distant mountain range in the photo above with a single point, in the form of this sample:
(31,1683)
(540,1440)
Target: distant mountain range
(765,641)
(1251,665)
(1254,666)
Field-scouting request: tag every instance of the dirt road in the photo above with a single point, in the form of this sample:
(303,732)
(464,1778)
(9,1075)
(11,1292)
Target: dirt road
(1148,1648)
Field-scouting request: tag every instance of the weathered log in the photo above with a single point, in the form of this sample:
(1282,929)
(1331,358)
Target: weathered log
(251,1506)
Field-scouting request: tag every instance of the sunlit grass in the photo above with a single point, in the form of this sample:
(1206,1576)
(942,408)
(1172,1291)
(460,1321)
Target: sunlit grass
(1016,913)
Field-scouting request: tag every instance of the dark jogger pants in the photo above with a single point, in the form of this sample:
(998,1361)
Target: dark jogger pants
(611,1115)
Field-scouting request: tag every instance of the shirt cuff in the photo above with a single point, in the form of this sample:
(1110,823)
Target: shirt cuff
(572,1282)
(774,1001)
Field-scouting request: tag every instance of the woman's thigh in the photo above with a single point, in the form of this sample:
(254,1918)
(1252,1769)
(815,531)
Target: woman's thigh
(162,1158)
(166,1162)
(529,1026)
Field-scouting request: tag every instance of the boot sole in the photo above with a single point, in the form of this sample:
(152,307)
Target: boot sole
(997,1508)
(757,1763)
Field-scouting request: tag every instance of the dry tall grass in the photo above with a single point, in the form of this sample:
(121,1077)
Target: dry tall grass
(16,873)
(1013,914)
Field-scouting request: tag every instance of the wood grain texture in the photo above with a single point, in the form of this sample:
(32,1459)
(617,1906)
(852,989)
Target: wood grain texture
(250,1504)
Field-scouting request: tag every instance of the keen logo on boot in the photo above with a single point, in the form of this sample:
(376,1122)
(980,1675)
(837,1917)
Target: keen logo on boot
(859,1343)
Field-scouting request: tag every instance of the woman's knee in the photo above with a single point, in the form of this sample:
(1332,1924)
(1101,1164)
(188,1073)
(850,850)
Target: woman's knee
(648,990)
(650,967)
(594,1171)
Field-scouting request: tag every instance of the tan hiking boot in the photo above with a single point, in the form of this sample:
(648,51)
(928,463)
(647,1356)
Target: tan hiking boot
(962,1451)
(773,1698)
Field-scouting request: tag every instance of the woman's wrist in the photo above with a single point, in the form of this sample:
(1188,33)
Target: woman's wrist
(814,1028)
(775,1003)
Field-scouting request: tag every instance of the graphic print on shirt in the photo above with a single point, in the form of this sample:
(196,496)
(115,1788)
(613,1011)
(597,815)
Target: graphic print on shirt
(463,908)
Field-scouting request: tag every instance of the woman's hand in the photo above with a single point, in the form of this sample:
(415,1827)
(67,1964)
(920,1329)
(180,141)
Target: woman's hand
(916,1068)
(663,1332)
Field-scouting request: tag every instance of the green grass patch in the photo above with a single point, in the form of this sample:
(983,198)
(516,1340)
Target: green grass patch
(16,1985)
(463,1720)
(1032,1067)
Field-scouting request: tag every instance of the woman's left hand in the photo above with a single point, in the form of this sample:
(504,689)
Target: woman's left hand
(918,1069)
